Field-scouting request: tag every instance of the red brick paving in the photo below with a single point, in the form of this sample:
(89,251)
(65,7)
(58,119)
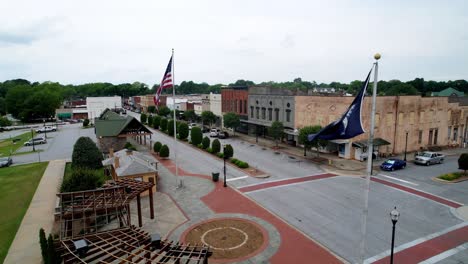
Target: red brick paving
(295,247)
(285,182)
(429,248)
(419,193)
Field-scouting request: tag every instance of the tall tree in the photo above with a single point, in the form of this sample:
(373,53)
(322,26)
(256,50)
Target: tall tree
(231,120)
(208,116)
(276,131)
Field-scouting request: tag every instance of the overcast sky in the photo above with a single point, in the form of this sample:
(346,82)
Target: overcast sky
(221,41)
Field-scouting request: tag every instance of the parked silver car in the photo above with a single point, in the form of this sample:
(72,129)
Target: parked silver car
(36,141)
(427,158)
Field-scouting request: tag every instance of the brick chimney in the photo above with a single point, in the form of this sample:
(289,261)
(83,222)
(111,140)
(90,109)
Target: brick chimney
(116,162)
(111,152)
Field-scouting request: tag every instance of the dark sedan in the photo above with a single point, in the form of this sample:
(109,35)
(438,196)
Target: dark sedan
(393,164)
(5,162)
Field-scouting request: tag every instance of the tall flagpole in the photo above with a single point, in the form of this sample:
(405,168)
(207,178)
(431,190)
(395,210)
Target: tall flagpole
(370,150)
(179,183)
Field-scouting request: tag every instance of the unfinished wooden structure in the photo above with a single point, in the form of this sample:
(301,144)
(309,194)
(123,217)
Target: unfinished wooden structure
(129,245)
(105,208)
(95,227)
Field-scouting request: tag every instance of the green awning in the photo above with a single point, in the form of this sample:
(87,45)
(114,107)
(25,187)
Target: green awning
(64,115)
(377,142)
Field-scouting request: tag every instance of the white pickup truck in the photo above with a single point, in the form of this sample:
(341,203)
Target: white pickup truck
(46,129)
(427,158)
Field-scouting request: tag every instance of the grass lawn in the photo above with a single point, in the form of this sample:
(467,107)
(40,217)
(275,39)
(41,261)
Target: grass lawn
(7,146)
(17,187)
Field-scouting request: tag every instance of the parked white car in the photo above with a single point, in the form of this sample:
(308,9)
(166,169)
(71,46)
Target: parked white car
(214,132)
(46,129)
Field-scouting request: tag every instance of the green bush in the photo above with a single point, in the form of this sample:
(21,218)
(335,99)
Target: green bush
(220,155)
(156,121)
(216,146)
(200,146)
(151,109)
(129,146)
(82,179)
(157,146)
(164,151)
(234,160)
(143,118)
(150,121)
(463,162)
(451,176)
(196,136)
(170,127)
(243,165)
(209,150)
(228,151)
(86,154)
(43,244)
(183,131)
(86,122)
(206,142)
(163,124)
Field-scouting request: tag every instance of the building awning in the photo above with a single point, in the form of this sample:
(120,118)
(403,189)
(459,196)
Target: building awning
(377,142)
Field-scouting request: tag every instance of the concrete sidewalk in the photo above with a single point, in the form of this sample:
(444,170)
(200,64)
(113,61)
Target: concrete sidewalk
(25,247)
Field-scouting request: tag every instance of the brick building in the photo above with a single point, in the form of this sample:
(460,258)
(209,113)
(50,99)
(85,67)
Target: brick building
(234,99)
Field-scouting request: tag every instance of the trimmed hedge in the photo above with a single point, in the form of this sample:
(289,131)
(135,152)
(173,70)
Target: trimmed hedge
(196,136)
(163,125)
(150,121)
(240,163)
(228,151)
(82,179)
(220,155)
(183,131)
(86,122)
(157,146)
(164,151)
(156,121)
(206,142)
(216,146)
(170,127)
(143,118)
(86,154)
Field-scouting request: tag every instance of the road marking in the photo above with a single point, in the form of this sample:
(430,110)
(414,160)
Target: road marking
(238,178)
(282,183)
(445,254)
(396,179)
(415,242)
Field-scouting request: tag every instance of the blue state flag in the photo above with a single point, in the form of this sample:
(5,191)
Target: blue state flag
(350,124)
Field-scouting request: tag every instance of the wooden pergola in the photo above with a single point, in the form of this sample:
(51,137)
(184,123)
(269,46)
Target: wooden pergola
(129,245)
(94,210)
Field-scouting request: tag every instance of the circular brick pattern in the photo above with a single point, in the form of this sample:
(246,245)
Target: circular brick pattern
(228,238)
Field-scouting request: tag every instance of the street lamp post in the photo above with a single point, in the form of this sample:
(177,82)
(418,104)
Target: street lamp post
(394,215)
(224,158)
(406,144)
(32,139)
(45,130)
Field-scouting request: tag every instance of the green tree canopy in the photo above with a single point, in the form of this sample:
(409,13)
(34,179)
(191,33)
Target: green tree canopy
(190,115)
(208,117)
(231,120)
(164,111)
(86,154)
(196,136)
(183,131)
(276,131)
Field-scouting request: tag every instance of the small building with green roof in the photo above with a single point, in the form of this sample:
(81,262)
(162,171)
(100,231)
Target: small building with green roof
(112,130)
(449,92)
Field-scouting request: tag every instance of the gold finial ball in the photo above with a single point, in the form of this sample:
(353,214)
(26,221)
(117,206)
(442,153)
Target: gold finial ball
(377,56)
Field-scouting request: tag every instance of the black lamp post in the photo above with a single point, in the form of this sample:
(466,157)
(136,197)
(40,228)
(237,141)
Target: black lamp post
(32,139)
(394,215)
(45,130)
(224,158)
(406,144)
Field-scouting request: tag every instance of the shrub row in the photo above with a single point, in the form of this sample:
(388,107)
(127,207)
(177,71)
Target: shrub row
(239,163)
(163,150)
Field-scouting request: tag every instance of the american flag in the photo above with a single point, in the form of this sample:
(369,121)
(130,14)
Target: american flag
(165,83)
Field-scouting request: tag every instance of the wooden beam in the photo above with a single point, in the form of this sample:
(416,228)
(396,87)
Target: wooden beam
(140,222)
(150,191)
